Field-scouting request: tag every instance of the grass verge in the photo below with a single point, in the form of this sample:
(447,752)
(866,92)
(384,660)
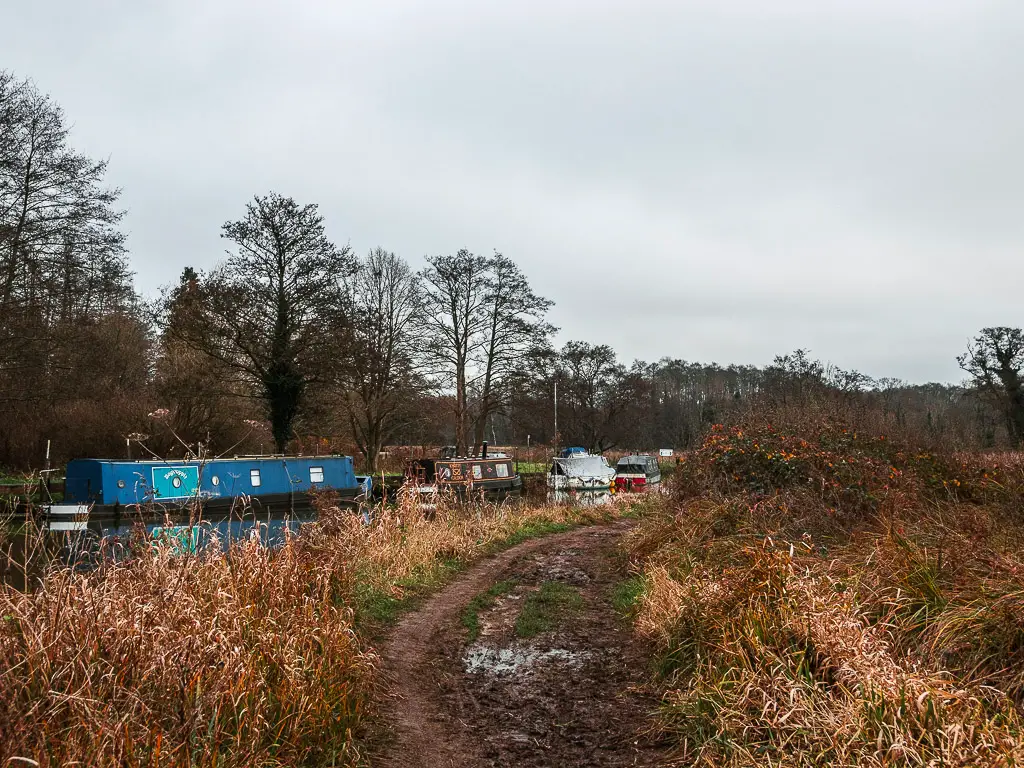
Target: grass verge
(533,529)
(626,596)
(546,609)
(825,597)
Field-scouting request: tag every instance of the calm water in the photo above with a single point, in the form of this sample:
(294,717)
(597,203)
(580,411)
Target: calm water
(28,549)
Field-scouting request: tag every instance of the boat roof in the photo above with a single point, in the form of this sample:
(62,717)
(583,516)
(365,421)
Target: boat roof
(572,450)
(451,459)
(197,462)
(584,464)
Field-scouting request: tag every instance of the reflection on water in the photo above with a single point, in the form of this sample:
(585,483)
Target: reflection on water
(270,530)
(82,543)
(580,498)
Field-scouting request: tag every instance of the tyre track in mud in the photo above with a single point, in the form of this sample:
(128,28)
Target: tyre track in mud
(571,697)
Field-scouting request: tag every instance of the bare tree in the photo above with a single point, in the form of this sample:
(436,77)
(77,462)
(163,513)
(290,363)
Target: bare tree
(380,382)
(995,361)
(454,318)
(591,393)
(66,294)
(61,255)
(274,311)
(514,328)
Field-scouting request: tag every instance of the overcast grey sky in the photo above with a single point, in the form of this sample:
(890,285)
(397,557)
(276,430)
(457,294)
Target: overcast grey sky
(740,177)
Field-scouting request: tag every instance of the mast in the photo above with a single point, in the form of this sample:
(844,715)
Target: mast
(556,415)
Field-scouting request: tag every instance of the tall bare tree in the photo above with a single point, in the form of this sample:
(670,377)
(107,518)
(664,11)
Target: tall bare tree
(65,286)
(995,362)
(454,318)
(514,330)
(380,382)
(275,309)
(591,394)
(61,254)
(206,401)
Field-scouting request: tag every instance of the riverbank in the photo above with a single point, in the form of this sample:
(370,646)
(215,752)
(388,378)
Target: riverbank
(249,656)
(819,596)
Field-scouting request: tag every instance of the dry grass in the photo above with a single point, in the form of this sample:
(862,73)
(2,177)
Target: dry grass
(250,657)
(830,599)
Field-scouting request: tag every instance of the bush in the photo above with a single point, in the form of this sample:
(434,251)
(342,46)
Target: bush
(829,597)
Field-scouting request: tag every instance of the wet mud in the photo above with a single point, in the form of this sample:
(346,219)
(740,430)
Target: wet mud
(569,694)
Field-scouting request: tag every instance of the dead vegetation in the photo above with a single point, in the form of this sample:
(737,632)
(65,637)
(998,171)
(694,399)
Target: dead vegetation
(251,657)
(824,597)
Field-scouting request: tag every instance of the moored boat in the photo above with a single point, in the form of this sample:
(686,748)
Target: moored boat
(463,476)
(574,469)
(636,472)
(106,488)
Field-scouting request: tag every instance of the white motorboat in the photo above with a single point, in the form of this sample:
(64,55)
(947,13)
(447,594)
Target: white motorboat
(575,471)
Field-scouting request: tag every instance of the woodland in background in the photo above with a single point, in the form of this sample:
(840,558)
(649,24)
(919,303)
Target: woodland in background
(293,343)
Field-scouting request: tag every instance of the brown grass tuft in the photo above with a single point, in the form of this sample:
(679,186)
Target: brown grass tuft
(254,656)
(830,599)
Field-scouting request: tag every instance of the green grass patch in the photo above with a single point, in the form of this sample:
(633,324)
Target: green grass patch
(378,607)
(626,595)
(533,467)
(546,608)
(530,530)
(482,602)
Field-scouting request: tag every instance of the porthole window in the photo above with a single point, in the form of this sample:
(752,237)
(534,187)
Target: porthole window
(176,481)
(120,483)
(316,474)
(254,478)
(215,480)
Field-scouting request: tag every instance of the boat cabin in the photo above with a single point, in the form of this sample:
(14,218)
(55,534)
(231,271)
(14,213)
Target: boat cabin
(463,473)
(116,486)
(580,471)
(637,471)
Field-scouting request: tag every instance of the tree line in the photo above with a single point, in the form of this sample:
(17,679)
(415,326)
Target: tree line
(295,343)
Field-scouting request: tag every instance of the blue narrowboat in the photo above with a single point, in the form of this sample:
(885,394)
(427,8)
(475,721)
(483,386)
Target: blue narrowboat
(269,483)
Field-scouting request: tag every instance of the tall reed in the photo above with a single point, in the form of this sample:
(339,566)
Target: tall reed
(228,657)
(826,597)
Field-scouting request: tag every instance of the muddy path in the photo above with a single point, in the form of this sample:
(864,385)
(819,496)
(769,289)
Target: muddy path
(545,674)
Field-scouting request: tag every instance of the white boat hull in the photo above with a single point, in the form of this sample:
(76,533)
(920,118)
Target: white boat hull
(582,499)
(67,511)
(572,483)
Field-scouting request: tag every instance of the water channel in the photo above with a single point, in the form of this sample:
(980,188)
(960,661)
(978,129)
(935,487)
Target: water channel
(29,546)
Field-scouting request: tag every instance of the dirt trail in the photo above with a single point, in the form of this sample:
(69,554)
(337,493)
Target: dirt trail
(567,696)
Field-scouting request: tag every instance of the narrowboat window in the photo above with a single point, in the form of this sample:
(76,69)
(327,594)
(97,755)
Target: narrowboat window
(502,470)
(478,472)
(176,481)
(254,477)
(316,474)
(120,483)
(215,480)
